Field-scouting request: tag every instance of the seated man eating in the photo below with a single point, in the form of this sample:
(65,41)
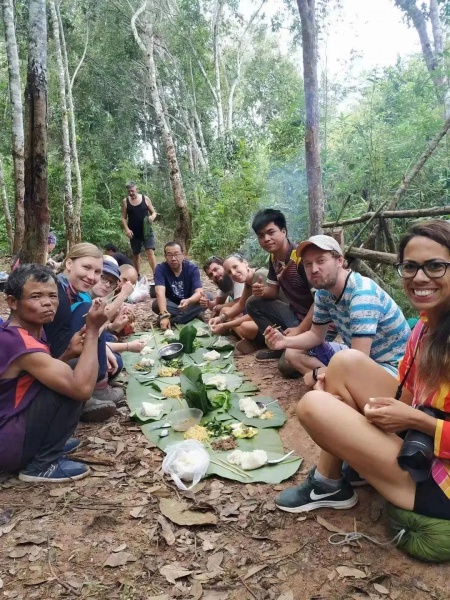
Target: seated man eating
(366,317)
(178,288)
(41,397)
(228,289)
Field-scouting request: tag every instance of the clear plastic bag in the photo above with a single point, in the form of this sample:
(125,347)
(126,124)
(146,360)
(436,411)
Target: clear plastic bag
(141,291)
(187,461)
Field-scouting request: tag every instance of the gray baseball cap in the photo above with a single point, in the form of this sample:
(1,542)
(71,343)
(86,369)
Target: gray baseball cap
(324,242)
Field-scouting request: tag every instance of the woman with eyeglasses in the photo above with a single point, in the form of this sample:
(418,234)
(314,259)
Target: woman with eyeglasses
(357,411)
(81,270)
(234,318)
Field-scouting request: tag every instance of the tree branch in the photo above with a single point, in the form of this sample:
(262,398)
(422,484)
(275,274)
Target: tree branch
(391,214)
(386,258)
(418,18)
(137,37)
(406,182)
(78,67)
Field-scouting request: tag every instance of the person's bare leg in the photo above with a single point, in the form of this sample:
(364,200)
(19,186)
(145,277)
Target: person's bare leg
(151,260)
(354,378)
(136,262)
(302,362)
(345,434)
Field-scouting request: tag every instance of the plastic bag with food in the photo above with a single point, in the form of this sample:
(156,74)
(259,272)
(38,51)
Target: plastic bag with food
(141,291)
(186,461)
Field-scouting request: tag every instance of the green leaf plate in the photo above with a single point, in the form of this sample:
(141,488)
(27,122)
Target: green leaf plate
(278,419)
(233,381)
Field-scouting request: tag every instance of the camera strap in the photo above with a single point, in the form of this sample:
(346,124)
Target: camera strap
(398,393)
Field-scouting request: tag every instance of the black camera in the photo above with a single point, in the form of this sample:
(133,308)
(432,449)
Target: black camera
(417,451)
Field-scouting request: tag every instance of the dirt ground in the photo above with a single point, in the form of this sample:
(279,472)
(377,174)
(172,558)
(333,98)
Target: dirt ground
(105,536)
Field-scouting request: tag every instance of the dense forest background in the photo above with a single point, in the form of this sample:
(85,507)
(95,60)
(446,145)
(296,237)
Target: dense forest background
(233,103)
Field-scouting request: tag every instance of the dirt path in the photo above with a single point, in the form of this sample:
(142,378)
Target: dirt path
(105,537)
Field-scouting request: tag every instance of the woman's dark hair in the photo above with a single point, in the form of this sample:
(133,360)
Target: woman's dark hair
(266,216)
(436,230)
(433,367)
(110,247)
(18,278)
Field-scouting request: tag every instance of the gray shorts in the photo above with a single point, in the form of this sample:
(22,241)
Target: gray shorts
(136,243)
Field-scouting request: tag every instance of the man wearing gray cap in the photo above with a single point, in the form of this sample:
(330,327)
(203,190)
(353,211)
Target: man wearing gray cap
(365,316)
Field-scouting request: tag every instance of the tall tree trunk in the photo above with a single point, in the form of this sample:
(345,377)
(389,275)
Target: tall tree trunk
(37,216)
(73,132)
(312,142)
(216,54)
(182,232)
(71,230)
(8,222)
(195,148)
(433,56)
(240,52)
(15,92)
(197,123)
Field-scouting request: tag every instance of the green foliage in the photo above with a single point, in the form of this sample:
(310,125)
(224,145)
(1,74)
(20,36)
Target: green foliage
(194,390)
(100,224)
(371,149)
(226,200)
(260,161)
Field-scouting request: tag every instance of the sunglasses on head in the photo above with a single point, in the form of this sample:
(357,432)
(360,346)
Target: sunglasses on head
(211,260)
(235,255)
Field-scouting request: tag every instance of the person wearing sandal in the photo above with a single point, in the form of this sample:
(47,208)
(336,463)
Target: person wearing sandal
(178,289)
(285,299)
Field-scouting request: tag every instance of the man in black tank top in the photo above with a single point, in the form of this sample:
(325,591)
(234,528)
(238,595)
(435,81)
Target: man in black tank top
(138,215)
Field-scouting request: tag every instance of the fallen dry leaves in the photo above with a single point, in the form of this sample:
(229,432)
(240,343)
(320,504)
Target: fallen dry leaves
(127,533)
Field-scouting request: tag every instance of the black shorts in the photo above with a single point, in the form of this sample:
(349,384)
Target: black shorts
(431,501)
(137,243)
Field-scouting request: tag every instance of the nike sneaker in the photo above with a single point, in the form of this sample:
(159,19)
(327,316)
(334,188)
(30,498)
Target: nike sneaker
(312,494)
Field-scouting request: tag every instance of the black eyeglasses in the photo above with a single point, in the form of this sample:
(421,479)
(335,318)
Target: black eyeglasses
(107,281)
(434,269)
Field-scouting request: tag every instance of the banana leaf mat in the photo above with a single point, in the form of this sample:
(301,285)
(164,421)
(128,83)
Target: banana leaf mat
(147,386)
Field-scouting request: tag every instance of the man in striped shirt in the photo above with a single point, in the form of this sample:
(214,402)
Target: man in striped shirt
(366,317)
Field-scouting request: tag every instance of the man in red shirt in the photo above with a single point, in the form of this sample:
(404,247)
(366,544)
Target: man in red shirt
(291,311)
(41,397)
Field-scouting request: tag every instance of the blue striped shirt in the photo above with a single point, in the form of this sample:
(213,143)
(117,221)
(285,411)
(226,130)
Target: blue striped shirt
(365,310)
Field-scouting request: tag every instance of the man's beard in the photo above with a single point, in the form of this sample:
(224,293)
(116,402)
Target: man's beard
(226,285)
(326,283)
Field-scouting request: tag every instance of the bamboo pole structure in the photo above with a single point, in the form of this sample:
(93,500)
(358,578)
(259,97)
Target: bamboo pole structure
(391,214)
